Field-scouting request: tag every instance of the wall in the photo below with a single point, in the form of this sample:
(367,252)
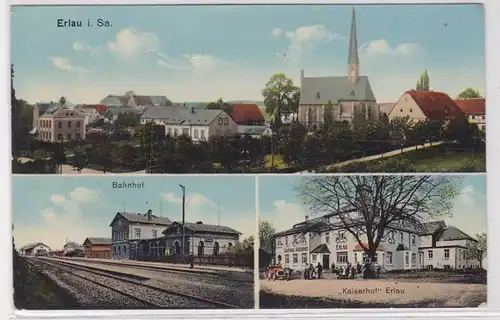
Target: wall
(72,125)
(406,106)
(217,129)
(40,248)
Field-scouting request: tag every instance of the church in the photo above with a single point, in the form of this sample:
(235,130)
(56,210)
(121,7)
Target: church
(349,98)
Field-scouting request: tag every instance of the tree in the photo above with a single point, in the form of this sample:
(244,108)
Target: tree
(281,97)
(130,93)
(367,207)
(477,250)
(328,115)
(127,120)
(423,83)
(21,120)
(220,105)
(266,237)
(469,93)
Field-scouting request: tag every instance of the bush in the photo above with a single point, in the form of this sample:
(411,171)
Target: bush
(473,165)
(393,164)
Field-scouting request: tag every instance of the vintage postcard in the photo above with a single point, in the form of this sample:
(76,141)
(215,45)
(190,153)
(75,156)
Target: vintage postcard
(407,241)
(133,243)
(308,88)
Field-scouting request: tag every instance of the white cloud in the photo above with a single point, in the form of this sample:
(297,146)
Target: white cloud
(129,43)
(83,46)
(63,220)
(64,64)
(308,35)
(277,32)
(57,198)
(202,62)
(81,194)
(382,48)
(283,215)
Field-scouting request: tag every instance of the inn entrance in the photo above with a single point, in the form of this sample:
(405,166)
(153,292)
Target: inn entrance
(326,261)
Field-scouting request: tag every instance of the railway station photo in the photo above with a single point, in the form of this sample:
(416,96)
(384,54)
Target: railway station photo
(176,243)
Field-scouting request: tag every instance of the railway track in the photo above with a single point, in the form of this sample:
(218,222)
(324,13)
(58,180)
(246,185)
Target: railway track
(174,271)
(101,278)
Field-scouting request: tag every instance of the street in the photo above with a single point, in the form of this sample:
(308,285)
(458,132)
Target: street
(95,285)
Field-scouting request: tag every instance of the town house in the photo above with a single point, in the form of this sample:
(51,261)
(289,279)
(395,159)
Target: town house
(475,110)
(425,105)
(61,124)
(199,124)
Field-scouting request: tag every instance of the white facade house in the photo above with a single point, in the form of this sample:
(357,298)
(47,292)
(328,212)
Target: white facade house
(199,124)
(34,249)
(91,115)
(324,240)
(255,131)
(128,228)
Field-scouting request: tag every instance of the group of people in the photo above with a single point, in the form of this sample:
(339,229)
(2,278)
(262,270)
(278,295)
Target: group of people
(349,272)
(313,272)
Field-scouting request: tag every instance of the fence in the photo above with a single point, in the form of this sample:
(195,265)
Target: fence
(202,255)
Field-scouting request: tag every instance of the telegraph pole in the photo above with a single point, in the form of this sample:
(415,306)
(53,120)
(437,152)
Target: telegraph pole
(183,215)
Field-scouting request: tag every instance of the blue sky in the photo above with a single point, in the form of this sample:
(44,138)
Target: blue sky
(201,53)
(49,209)
(280,205)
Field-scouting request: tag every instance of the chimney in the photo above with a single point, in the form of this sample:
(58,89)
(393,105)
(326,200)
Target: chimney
(301,77)
(192,109)
(307,217)
(149,214)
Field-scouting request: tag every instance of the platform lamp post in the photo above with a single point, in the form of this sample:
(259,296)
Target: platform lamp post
(183,215)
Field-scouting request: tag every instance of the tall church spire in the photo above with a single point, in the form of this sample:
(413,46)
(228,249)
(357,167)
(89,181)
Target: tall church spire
(353,59)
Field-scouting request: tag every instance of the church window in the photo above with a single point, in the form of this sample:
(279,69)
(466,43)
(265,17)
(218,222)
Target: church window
(352,93)
(318,96)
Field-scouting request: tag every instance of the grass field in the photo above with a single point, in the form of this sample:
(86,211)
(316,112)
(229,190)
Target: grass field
(278,161)
(36,291)
(433,159)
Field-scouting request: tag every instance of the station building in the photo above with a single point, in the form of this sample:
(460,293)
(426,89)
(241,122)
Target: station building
(34,249)
(326,240)
(127,229)
(97,248)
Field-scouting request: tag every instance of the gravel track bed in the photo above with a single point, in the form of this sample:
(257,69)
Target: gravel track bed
(89,295)
(161,299)
(221,289)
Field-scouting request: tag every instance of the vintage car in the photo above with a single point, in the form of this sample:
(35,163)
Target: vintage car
(278,272)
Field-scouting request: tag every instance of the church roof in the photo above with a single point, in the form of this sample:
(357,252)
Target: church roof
(353,42)
(320,90)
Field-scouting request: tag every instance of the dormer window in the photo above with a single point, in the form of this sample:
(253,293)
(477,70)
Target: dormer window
(318,96)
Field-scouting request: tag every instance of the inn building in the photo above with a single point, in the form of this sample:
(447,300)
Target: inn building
(326,240)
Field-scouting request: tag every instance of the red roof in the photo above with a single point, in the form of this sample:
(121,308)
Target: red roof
(472,106)
(101,108)
(435,105)
(247,113)
(359,248)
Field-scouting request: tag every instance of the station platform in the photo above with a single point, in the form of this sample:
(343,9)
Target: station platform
(169,266)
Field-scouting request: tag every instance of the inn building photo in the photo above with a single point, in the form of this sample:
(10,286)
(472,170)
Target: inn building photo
(324,233)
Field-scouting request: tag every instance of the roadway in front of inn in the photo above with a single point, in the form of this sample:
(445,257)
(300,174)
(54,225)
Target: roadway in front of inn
(384,291)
